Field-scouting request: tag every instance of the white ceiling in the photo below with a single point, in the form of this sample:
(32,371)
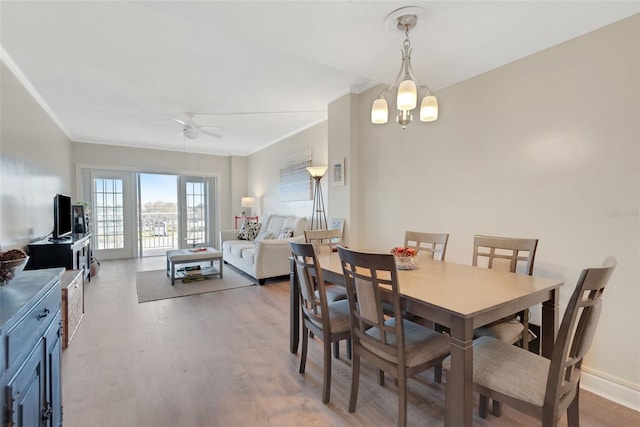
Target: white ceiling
(119,72)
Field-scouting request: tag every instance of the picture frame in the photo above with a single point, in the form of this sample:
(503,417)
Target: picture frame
(79,219)
(336,172)
(337,224)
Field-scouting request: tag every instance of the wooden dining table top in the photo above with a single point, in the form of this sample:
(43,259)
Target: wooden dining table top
(463,290)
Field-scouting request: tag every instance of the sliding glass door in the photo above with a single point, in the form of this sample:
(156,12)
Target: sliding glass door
(112,214)
(145,214)
(195,218)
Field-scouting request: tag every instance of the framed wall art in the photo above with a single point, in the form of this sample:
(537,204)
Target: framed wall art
(295,181)
(336,172)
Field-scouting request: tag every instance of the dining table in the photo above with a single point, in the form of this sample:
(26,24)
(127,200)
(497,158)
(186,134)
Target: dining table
(461,298)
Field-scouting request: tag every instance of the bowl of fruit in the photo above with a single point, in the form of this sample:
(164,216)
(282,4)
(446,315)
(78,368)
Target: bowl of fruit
(12,262)
(405,258)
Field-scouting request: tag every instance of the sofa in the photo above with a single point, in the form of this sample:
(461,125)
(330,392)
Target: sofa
(264,250)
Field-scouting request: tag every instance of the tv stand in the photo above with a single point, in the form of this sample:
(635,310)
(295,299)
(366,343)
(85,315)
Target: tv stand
(59,239)
(73,253)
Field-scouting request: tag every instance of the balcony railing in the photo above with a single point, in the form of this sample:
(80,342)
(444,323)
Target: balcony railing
(160,230)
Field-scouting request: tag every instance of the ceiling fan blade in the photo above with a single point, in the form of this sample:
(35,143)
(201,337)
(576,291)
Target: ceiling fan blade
(213,134)
(182,122)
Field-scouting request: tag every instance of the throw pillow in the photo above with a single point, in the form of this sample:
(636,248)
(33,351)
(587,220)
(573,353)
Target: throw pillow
(250,231)
(285,234)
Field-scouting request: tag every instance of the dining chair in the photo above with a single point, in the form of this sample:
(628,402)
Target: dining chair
(506,253)
(434,244)
(329,321)
(324,240)
(550,387)
(327,241)
(394,345)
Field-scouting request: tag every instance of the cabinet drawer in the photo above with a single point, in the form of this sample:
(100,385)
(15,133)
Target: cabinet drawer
(72,305)
(24,334)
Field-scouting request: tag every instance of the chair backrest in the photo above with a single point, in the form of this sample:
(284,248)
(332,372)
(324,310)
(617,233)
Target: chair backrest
(575,337)
(367,276)
(434,244)
(505,252)
(313,303)
(324,240)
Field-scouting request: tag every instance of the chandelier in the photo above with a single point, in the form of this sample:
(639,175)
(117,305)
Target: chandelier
(406,84)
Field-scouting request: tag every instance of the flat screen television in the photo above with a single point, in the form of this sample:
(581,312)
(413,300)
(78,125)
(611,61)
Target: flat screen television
(62,223)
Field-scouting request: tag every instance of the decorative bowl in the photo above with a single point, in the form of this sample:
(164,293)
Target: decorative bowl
(405,262)
(9,269)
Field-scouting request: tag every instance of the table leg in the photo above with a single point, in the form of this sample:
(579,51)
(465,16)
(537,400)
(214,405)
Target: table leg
(459,399)
(549,323)
(294,307)
(173,272)
(220,260)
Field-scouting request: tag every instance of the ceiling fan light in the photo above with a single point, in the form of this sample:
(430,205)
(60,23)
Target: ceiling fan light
(407,95)
(191,132)
(429,109)
(379,111)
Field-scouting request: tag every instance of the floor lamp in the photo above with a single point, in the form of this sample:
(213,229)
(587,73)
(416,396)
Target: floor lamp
(318,216)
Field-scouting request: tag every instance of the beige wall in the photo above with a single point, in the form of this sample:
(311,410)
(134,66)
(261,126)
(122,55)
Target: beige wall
(546,147)
(263,172)
(35,164)
(344,145)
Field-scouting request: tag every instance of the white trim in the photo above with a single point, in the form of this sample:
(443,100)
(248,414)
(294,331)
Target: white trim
(8,60)
(615,389)
(170,171)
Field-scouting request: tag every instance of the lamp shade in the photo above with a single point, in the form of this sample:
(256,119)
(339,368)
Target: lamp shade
(248,202)
(429,109)
(407,95)
(317,171)
(379,111)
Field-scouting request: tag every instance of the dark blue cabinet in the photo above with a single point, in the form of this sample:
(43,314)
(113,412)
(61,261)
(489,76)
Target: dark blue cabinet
(30,349)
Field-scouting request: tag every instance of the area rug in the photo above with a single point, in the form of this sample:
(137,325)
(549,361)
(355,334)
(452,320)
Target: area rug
(155,285)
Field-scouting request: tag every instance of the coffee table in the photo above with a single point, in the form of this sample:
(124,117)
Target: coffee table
(191,256)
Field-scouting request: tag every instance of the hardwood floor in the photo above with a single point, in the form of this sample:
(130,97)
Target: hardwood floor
(222,359)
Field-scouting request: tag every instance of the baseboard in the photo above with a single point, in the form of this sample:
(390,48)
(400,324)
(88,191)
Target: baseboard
(611,388)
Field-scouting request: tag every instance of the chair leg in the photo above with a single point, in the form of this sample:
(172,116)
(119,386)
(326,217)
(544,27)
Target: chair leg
(326,384)
(349,352)
(303,356)
(336,349)
(402,400)
(483,405)
(573,411)
(437,374)
(381,377)
(497,408)
(355,381)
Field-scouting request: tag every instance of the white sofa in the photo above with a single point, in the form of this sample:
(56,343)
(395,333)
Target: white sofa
(265,257)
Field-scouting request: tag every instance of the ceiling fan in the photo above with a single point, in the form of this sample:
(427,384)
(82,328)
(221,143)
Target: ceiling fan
(191,130)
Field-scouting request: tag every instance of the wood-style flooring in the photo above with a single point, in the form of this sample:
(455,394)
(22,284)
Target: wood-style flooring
(222,359)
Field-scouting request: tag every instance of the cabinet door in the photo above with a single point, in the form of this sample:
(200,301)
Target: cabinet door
(52,415)
(26,391)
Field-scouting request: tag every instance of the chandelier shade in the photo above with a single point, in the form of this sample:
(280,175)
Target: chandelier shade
(407,88)
(379,111)
(407,95)
(429,109)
